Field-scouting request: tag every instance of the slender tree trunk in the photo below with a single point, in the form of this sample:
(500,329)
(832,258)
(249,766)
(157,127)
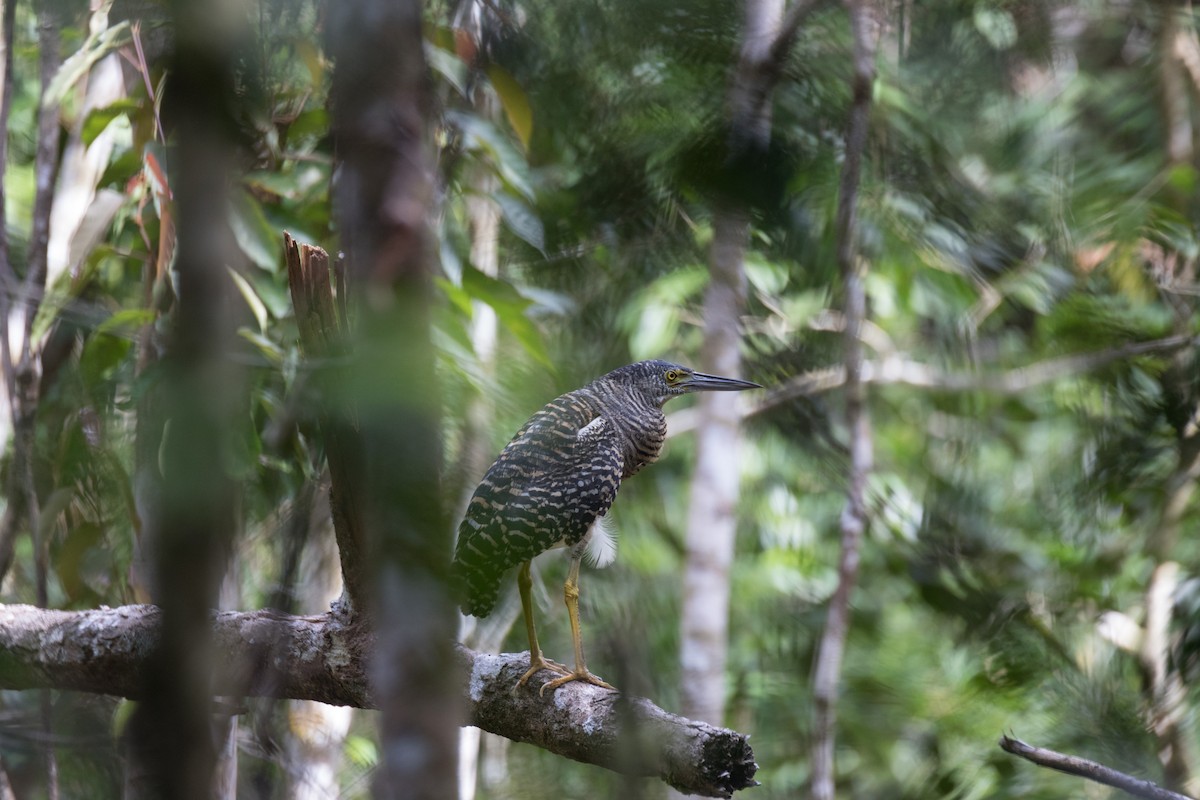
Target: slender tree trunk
(712,524)
(854,517)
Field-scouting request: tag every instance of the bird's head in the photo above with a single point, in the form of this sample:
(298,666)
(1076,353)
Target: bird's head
(662,380)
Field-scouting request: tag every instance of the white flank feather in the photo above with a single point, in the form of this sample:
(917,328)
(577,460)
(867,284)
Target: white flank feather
(602,543)
(592,430)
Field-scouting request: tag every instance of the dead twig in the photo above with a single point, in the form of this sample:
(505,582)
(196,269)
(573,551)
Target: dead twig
(1091,770)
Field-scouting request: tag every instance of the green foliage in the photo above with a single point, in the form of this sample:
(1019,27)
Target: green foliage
(1018,208)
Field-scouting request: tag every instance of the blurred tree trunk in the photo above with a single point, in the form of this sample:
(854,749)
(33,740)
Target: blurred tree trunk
(379,97)
(191,526)
(712,525)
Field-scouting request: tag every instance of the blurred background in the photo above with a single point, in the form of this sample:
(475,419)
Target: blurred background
(1029,218)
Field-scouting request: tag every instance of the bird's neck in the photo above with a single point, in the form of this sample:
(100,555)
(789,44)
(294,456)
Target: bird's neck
(640,421)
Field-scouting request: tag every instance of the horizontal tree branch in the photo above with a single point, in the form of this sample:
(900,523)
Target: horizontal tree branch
(1093,771)
(325,658)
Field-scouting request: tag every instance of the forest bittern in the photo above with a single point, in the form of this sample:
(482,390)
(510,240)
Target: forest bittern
(554,482)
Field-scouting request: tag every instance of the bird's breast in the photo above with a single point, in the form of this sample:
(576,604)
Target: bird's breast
(644,442)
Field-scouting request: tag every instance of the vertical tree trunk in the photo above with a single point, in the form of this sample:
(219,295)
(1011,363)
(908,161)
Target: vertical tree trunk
(853,521)
(712,525)
(380,103)
(171,732)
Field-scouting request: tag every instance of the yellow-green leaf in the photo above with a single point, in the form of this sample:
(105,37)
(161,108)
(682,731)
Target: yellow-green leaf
(257,307)
(515,102)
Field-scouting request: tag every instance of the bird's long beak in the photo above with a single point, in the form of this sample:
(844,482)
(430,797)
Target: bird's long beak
(701,382)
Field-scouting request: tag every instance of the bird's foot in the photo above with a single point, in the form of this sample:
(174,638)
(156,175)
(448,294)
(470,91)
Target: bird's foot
(537,665)
(579,674)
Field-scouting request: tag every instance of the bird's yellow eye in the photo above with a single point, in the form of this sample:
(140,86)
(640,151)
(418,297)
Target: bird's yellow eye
(672,375)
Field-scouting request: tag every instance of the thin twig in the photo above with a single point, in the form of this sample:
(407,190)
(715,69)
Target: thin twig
(853,520)
(144,70)
(23,390)
(788,28)
(900,370)
(1093,771)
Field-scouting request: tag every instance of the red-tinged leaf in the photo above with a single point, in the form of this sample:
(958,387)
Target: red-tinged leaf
(465,46)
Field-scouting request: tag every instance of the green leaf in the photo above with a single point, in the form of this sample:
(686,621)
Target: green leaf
(521,219)
(361,751)
(69,561)
(292,182)
(96,47)
(102,354)
(121,716)
(515,102)
(257,308)
(510,309)
(98,119)
(448,66)
(456,295)
(481,135)
(500,295)
(126,321)
(256,237)
(313,122)
(271,351)
(243,446)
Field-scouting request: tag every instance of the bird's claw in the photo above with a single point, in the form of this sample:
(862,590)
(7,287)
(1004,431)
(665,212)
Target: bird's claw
(577,675)
(536,666)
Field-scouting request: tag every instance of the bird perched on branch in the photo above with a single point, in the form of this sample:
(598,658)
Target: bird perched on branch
(554,482)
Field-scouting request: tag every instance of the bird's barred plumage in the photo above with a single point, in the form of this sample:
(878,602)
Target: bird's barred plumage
(557,476)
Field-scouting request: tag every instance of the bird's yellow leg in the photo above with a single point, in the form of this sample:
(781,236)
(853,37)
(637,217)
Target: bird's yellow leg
(536,661)
(571,596)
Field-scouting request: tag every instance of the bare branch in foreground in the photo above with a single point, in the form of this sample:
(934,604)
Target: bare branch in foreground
(1083,768)
(326,657)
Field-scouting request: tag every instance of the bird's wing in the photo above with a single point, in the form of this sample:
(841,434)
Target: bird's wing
(558,474)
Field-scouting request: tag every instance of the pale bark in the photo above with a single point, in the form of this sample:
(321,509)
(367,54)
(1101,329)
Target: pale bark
(712,522)
(854,517)
(326,657)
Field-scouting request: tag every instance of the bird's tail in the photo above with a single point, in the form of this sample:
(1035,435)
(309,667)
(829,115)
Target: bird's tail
(477,590)
(476,574)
